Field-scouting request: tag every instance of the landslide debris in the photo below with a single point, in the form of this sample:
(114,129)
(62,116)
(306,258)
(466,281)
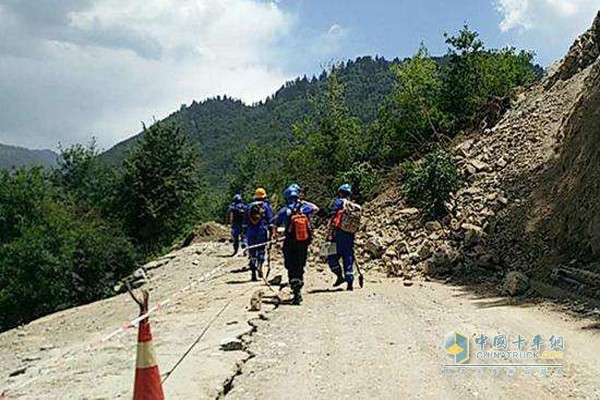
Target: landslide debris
(529,199)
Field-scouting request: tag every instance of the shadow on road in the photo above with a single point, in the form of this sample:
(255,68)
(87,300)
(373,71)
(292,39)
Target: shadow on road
(321,291)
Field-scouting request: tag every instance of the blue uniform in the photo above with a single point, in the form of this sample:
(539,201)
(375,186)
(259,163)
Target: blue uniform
(238,221)
(258,233)
(294,252)
(285,213)
(345,248)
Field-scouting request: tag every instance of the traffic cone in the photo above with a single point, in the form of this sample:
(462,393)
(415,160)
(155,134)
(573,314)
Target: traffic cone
(147,376)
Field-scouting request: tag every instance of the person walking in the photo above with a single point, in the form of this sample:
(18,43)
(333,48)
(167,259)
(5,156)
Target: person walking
(237,217)
(294,217)
(259,216)
(344,222)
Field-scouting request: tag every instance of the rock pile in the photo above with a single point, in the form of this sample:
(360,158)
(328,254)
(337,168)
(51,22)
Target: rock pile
(491,228)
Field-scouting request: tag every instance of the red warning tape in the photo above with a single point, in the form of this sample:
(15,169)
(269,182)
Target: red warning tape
(94,345)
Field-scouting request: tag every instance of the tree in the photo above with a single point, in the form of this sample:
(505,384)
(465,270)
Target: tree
(51,257)
(161,185)
(87,179)
(474,75)
(326,145)
(418,96)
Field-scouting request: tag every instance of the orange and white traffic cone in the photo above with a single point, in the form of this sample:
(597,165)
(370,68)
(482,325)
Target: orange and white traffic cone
(147,376)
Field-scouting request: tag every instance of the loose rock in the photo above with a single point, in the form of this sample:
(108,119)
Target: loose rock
(516,283)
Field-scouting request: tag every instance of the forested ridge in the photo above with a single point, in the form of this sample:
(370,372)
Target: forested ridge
(223,127)
(66,235)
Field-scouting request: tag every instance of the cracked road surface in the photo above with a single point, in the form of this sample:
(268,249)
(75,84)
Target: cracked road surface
(107,372)
(384,341)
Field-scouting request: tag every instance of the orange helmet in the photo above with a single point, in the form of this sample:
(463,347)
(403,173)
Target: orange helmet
(260,193)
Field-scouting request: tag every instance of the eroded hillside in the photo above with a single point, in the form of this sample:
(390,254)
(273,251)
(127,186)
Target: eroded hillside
(528,202)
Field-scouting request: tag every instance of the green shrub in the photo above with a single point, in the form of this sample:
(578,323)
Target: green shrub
(364,180)
(429,182)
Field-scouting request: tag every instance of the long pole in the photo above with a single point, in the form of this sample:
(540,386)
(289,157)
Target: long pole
(254,246)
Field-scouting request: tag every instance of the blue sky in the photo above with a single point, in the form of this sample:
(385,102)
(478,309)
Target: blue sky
(73,69)
(395,28)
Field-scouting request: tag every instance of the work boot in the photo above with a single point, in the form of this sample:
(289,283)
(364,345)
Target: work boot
(340,278)
(350,286)
(259,270)
(297,300)
(254,278)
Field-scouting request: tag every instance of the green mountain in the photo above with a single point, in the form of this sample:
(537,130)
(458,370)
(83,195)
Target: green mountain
(13,156)
(223,127)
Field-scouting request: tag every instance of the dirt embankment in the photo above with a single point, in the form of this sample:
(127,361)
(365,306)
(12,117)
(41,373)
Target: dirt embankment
(529,198)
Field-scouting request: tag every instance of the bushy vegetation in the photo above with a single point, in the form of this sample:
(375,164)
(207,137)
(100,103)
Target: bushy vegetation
(160,187)
(52,255)
(67,235)
(428,183)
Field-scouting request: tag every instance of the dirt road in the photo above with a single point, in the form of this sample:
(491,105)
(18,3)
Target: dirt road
(384,341)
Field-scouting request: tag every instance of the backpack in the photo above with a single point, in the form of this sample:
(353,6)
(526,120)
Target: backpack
(256,213)
(238,211)
(299,228)
(348,218)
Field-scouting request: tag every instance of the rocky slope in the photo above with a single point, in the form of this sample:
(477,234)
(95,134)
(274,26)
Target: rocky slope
(529,197)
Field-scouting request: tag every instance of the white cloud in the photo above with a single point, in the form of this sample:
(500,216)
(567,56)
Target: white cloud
(73,68)
(335,30)
(547,26)
(329,42)
(558,15)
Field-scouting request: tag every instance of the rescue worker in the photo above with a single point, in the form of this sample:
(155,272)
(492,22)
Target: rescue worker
(344,241)
(259,216)
(237,218)
(294,217)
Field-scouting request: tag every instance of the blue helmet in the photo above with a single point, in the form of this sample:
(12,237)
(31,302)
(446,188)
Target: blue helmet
(237,198)
(286,193)
(345,188)
(293,188)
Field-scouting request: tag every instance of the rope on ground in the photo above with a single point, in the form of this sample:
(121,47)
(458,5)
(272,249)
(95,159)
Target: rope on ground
(206,328)
(68,355)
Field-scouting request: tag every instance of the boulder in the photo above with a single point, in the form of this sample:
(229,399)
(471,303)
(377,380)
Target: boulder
(441,262)
(516,283)
(256,300)
(433,226)
(473,234)
(403,248)
(391,253)
(425,250)
(409,211)
(480,166)
(501,163)
(502,200)
(375,247)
